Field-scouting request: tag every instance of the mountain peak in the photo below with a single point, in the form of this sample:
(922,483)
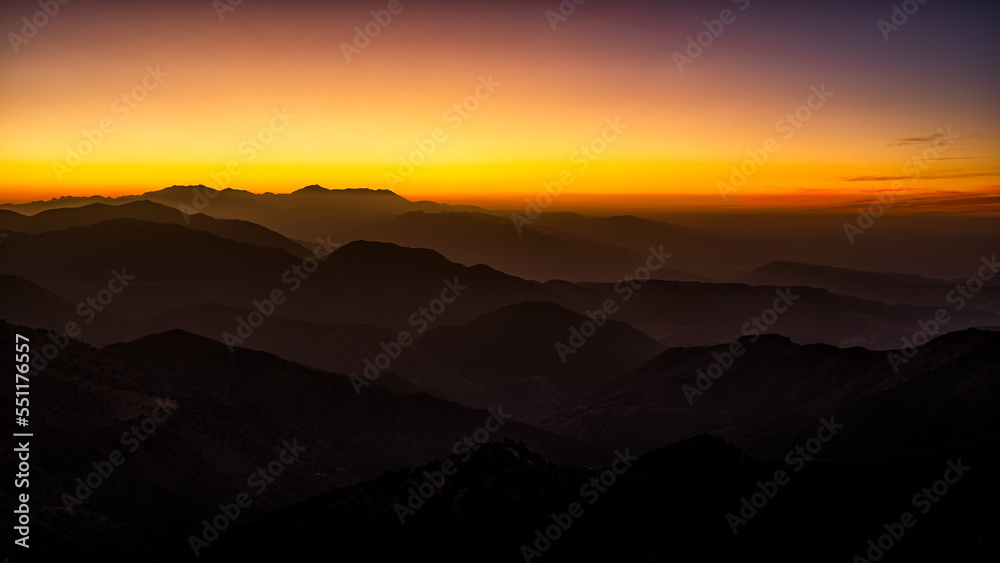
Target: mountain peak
(317,189)
(314,188)
(375,250)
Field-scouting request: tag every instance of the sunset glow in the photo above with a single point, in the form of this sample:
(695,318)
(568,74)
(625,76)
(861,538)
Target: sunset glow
(513,102)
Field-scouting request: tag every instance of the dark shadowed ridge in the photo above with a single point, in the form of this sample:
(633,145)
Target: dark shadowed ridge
(471,238)
(172,265)
(772,394)
(233,414)
(670,505)
(691,314)
(510,355)
(893,289)
(332,347)
(301,215)
(90,214)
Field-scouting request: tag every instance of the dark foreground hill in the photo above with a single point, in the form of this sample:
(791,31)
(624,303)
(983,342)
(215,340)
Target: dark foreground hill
(227,415)
(680,503)
(235,413)
(776,391)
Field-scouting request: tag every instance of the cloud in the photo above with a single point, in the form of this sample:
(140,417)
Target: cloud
(913,140)
(922,177)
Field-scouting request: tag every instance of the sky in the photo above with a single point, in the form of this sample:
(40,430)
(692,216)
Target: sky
(782,103)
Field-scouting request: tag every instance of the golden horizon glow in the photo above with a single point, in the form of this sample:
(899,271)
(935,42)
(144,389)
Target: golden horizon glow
(268,93)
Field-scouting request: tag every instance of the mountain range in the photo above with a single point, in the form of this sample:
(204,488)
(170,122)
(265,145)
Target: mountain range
(380,333)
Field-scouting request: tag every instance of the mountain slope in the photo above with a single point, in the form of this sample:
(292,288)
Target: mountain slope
(513,355)
(64,218)
(360,283)
(892,289)
(776,392)
(304,214)
(229,414)
(693,314)
(473,238)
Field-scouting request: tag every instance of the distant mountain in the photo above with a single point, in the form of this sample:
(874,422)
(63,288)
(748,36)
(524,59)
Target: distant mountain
(718,246)
(91,214)
(359,283)
(698,254)
(304,214)
(692,314)
(172,265)
(256,343)
(478,238)
(626,231)
(384,285)
(892,289)
(339,348)
(367,282)
(511,355)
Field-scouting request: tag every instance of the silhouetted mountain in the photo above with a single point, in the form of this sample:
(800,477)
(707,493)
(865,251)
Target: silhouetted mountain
(172,265)
(90,214)
(511,355)
(473,238)
(28,304)
(775,393)
(303,215)
(232,413)
(672,504)
(377,283)
(381,284)
(340,348)
(892,289)
(637,235)
(719,246)
(693,314)
(933,245)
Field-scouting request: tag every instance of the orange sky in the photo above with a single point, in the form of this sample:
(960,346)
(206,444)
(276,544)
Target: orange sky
(552,92)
